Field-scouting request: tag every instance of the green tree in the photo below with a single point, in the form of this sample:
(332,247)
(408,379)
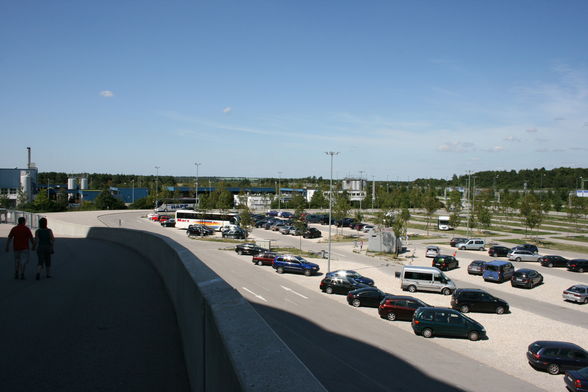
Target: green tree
(430,204)
(105,201)
(4,201)
(532,211)
(246,221)
(318,199)
(399,229)
(455,219)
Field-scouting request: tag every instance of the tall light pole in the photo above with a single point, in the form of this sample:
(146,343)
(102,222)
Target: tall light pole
(196,201)
(133,181)
(279,190)
(156,185)
(331,153)
(361,187)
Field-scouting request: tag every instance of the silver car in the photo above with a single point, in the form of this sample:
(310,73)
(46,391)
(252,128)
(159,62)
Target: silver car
(577,293)
(523,255)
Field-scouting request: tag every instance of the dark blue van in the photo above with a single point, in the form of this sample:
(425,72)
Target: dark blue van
(498,271)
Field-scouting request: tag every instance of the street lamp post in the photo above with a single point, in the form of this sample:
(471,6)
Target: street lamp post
(360,187)
(133,181)
(156,185)
(279,190)
(331,153)
(196,201)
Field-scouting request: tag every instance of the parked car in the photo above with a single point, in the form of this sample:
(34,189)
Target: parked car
(359,226)
(527,278)
(576,293)
(293,263)
(313,218)
(429,322)
(365,296)
(553,261)
(340,285)
(352,275)
(367,228)
(169,223)
(296,231)
(277,226)
(272,213)
(476,267)
(457,240)
(345,222)
(476,300)
(445,263)
(285,229)
(498,251)
(285,214)
(198,230)
(578,265)
(432,251)
(311,232)
(235,233)
(415,278)
(555,357)
(260,223)
(577,380)
(264,258)
(523,255)
(530,247)
(399,307)
(249,248)
(472,244)
(163,218)
(498,271)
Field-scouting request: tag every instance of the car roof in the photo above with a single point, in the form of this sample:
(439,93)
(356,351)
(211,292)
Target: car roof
(392,296)
(498,262)
(470,290)
(553,343)
(479,262)
(432,247)
(525,270)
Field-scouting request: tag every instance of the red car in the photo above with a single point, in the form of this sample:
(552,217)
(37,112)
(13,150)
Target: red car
(399,307)
(264,258)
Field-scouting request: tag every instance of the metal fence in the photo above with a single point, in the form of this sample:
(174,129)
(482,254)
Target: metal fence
(11,217)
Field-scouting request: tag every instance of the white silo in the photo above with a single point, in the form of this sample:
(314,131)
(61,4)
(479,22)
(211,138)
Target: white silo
(84,183)
(25,184)
(71,187)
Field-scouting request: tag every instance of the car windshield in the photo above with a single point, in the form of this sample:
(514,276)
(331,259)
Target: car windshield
(576,289)
(583,372)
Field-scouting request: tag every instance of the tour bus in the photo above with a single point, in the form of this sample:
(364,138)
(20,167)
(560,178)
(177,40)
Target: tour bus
(214,219)
(443,223)
(171,205)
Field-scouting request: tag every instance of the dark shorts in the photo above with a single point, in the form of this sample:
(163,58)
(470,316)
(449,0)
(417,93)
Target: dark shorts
(44,258)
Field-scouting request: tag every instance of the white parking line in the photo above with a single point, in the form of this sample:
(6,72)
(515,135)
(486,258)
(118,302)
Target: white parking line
(255,295)
(292,291)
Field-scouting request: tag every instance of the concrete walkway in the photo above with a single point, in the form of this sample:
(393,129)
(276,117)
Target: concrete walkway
(102,323)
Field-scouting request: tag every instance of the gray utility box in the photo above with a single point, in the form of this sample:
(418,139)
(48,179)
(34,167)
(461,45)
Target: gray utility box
(383,241)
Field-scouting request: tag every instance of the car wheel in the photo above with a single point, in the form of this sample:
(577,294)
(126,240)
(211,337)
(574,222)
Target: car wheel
(581,269)
(259,262)
(412,289)
(500,310)
(493,254)
(585,300)
(446,291)
(553,368)
(239,252)
(530,286)
(473,336)
(462,248)
(280,270)
(518,259)
(482,248)
(550,265)
(307,272)
(329,290)
(391,316)
(427,333)
(464,309)
(356,303)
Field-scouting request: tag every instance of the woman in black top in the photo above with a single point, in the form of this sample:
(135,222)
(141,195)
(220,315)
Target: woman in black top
(44,245)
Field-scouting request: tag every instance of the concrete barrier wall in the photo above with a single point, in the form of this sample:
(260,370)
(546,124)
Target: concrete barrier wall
(227,345)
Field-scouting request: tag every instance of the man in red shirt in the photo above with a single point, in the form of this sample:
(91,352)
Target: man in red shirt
(21,236)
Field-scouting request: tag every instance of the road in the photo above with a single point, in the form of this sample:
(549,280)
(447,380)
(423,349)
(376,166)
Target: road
(344,351)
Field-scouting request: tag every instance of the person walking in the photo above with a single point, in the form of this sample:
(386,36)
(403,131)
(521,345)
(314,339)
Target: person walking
(44,241)
(21,236)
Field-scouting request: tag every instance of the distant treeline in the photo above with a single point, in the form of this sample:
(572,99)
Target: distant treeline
(561,178)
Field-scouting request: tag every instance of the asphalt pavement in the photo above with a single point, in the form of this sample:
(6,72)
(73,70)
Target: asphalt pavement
(102,323)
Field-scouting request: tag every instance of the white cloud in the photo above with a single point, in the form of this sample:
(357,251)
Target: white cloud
(512,139)
(456,147)
(227,109)
(107,93)
(531,130)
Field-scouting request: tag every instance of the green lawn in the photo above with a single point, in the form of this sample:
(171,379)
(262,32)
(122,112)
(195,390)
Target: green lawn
(549,245)
(578,238)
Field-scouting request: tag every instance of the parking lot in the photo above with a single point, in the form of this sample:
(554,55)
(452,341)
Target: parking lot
(508,335)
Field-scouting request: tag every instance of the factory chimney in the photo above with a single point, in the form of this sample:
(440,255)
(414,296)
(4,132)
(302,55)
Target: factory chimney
(29,161)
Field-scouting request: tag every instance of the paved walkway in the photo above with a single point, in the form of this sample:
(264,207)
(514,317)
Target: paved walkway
(102,323)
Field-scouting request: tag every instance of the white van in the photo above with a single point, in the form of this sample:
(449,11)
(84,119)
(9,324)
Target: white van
(472,244)
(425,279)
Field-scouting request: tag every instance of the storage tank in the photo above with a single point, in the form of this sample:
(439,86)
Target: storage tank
(25,185)
(71,183)
(83,183)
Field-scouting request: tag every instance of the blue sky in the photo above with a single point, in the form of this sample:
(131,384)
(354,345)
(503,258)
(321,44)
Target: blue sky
(402,90)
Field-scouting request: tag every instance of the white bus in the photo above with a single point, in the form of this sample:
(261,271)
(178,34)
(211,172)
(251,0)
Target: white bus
(443,223)
(171,205)
(212,219)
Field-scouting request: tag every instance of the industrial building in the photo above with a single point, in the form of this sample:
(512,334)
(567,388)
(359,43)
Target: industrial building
(19,184)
